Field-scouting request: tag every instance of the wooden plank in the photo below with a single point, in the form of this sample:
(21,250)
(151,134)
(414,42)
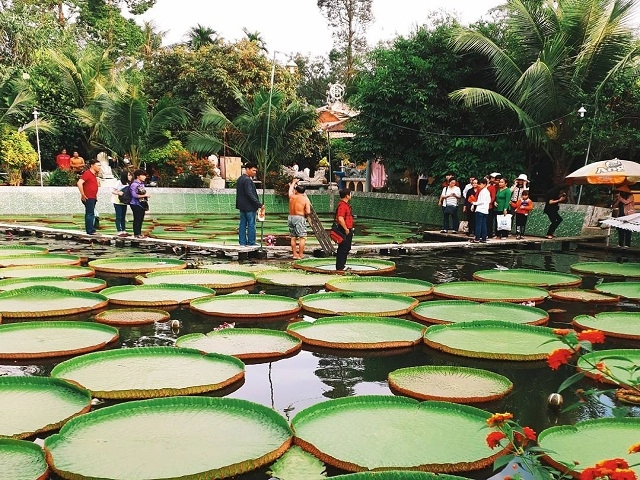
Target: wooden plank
(321,234)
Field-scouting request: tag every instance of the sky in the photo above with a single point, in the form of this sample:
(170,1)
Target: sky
(297,26)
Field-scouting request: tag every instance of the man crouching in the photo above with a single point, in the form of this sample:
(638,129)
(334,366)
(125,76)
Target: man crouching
(299,208)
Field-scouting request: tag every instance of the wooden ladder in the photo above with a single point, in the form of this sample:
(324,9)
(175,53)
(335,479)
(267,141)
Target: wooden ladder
(321,234)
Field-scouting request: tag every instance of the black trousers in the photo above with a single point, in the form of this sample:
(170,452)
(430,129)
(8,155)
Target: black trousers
(555,219)
(343,251)
(138,217)
(624,237)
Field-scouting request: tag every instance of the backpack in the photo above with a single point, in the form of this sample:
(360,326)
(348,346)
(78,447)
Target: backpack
(126,195)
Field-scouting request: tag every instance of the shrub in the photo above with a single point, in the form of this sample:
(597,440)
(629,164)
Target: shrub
(62,178)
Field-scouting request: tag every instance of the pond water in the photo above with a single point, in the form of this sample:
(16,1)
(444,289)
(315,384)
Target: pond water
(313,375)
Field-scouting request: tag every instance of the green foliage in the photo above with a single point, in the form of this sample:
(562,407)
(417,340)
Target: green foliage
(16,154)
(161,155)
(296,464)
(61,178)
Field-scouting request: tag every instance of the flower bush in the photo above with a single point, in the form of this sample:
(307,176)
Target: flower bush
(17,156)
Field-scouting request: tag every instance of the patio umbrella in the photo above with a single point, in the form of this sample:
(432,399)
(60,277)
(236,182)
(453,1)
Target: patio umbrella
(606,172)
(628,222)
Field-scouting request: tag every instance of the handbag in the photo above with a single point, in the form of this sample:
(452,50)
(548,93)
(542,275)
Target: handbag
(504,222)
(337,233)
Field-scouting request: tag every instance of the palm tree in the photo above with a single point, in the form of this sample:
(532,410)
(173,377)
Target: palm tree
(199,36)
(256,37)
(566,51)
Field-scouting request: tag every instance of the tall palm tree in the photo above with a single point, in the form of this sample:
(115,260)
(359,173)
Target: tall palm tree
(199,36)
(256,38)
(566,51)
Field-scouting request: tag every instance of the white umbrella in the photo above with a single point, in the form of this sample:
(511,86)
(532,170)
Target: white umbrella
(606,172)
(628,222)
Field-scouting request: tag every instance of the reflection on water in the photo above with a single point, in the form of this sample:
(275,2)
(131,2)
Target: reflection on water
(313,375)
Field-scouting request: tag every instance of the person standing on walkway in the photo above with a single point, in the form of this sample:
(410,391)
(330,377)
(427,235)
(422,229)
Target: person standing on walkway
(626,206)
(63,160)
(449,202)
(468,208)
(522,208)
(299,209)
(344,218)
(248,203)
(76,162)
(481,206)
(139,201)
(552,210)
(122,190)
(88,186)
(503,198)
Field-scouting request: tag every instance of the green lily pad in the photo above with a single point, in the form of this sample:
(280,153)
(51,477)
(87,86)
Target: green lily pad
(494,340)
(142,439)
(249,343)
(399,475)
(88,284)
(155,295)
(254,268)
(38,259)
(203,277)
(449,384)
(21,249)
(591,441)
(381,432)
(393,285)
(612,324)
(622,365)
(43,301)
(53,339)
(584,296)
(608,268)
(148,372)
(22,460)
(630,290)
(31,405)
(490,292)
(67,271)
(357,332)
(361,266)
(524,276)
(455,311)
(296,464)
(358,303)
(293,278)
(138,316)
(129,265)
(246,306)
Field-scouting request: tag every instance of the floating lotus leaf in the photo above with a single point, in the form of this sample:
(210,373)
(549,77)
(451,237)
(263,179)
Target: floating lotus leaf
(20,459)
(612,324)
(53,339)
(67,271)
(585,296)
(240,267)
(293,278)
(490,292)
(296,464)
(380,432)
(211,437)
(494,340)
(630,290)
(358,303)
(455,311)
(246,306)
(88,284)
(608,268)
(243,343)
(394,285)
(21,249)
(399,475)
(43,301)
(136,264)
(30,405)
(138,316)
(358,332)
(524,276)
(622,363)
(148,372)
(38,259)
(449,384)
(591,441)
(361,266)
(155,295)
(202,277)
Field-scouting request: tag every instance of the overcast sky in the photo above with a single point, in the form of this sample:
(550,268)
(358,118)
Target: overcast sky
(293,26)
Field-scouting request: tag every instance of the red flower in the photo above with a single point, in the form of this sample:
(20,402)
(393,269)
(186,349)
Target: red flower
(613,469)
(601,366)
(561,331)
(593,336)
(635,448)
(529,433)
(559,357)
(498,419)
(493,439)
(623,474)
(613,463)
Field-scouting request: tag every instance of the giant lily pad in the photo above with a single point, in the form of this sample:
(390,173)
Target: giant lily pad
(240,267)
(358,303)
(394,285)
(243,343)
(128,265)
(454,311)
(155,295)
(88,284)
(202,277)
(45,301)
(399,475)
(449,384)
(138,316)
(630,290)
(591,441)
(211,437)
(621,365)
(608,268)
(490,292)
(494,340)
(38,259)
(53,339)
(150,372)
(21,249)
(358,332)
(584,296)
(381,432)
(524,276)
(293,278)
(67,271)
(30,405)
(612,324)
(361,266)
(20,459)
(246,306)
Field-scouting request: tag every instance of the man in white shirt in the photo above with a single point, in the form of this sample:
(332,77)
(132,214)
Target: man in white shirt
(481,207)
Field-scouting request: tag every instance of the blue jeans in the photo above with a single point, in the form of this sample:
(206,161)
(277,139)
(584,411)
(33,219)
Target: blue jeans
(90,215)
(121,213)
(481,226)
(247,229)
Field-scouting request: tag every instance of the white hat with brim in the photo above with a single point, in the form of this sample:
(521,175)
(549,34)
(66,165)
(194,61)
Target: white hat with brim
(494,174)
(522,176)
